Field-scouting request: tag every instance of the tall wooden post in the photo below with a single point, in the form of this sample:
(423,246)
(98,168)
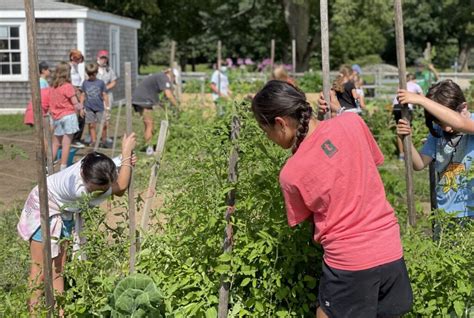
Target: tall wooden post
(323,8)
(231,195)
(49,143)
(154,174)
(40,154)
(117,122)
(400,40)
(293,55)
(272,56)
(219,64)
(172,54)
(131,192)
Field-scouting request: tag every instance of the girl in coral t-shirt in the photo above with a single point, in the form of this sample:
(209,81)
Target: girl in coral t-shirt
(63,108)
(332,180)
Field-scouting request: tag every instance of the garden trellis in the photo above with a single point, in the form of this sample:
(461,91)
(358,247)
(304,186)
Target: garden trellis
(323,8)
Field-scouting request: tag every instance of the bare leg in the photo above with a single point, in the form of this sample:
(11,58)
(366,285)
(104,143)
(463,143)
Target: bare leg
(57,140)
(66,144)
(320,313)
(93,132)
(58,272)
(104,132)
(148,121)
(36,274)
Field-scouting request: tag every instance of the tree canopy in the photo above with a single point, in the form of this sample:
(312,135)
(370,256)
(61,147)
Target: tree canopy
(360,31)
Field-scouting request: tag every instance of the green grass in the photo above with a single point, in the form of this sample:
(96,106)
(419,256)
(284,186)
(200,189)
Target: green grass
(13,123)
(150,69)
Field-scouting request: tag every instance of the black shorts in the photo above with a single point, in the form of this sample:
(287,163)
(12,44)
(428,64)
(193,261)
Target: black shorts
(381,291)
(140,106)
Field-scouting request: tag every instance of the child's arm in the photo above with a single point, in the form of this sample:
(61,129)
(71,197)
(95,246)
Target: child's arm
(460,122)
(79,106)
(169,95)
(105,97)
(419,161)
(128,160)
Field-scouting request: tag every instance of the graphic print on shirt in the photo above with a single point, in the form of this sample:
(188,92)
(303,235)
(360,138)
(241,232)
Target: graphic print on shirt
(450,175)
(328,148)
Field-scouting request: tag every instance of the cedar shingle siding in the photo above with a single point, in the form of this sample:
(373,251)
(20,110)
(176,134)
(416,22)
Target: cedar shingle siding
(55,37)
(98,38)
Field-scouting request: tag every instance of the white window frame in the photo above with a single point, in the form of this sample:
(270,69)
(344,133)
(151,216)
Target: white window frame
(116,29)
(23,77)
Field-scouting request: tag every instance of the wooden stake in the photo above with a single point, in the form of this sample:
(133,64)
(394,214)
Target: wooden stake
(293,55)
(272,56)
(40,154)
(219,62)
(405,112)
(154,174)
(131,192)
(228,237)
(323,8)
(172,54)
(117,122)
(49,144)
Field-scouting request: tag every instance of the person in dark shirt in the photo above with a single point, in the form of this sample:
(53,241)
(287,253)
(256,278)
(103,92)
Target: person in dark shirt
(145,97)
(345,91)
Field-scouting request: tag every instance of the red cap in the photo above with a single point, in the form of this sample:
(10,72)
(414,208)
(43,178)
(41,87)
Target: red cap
(103,53)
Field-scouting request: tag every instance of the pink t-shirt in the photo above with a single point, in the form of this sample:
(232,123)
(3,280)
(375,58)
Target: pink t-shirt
(60,101)
(333,179)
(29,118)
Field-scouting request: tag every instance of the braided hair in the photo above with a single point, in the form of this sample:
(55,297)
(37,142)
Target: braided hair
(279,99)
(446,93)
(98,169)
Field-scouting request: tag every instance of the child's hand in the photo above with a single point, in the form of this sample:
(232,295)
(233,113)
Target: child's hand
(82,113)
(322,105)
(405,97)
(134,159)
(403,128)
(128,144)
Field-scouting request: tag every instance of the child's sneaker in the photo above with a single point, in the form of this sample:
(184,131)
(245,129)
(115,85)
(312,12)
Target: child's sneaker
(401,157)
(149,151)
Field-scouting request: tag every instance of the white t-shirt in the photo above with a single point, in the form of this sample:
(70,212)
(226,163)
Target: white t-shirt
(65,190)
(224,84)
(412,87)
(76,79)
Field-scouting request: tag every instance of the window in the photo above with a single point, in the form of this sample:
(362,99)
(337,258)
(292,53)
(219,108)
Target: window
(115,49)
(10,54)
(13,50)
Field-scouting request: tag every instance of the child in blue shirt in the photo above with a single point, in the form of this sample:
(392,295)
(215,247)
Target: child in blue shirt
(94,98)
(450,143)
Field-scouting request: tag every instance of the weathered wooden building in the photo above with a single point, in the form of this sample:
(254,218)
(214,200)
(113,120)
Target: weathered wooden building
(60,27)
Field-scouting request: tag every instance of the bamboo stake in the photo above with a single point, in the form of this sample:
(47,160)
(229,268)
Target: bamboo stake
(117,121)
(293,55)
(219,62)
(323,8)
(172,54)
(405,112)
(272,55)
(228,237)
(154,174)
(40,154)
(131,192)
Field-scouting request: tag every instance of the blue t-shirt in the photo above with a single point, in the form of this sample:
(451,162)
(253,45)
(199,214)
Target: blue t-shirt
(94,98)
(453,164)
(43,83)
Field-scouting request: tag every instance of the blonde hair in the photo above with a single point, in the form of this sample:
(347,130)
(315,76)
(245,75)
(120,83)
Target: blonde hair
(345,72)
(280,73)
(62,74)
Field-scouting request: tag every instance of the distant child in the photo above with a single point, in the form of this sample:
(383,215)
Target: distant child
(94,176)
(279,73)
(359,87)
(332,180)
(44,74)
(94,98)
(107,74)
(450,144)
(412,87)
(345,91)
(63,108)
